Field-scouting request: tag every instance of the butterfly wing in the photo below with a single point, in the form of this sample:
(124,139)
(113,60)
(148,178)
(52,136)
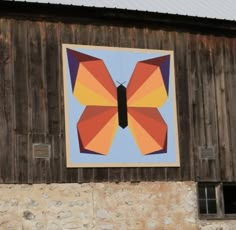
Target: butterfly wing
(148,86)
(93,87)
(148,129)
(146,91)
(96,129)
(90,80)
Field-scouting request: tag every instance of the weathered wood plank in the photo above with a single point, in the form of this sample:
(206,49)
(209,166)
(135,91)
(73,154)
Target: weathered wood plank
(7,123)
(209,107)
(88,175)
(191,101)
(211,114)
(37,83)
(52,57)
(54,140)
(206,169)
(100,174)
(232,108)
(22,149)
(231,99)
(191,78)
(182,104)
(19,29)
(230,90)
(37,99)
(52,72)
(22,117)
(80,34)
(114,174)
(197,105)
(223,129)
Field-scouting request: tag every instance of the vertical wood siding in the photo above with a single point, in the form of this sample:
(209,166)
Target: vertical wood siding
(32,104)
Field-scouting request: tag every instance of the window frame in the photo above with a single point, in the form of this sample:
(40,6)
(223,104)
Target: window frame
(220,208)
(206,197)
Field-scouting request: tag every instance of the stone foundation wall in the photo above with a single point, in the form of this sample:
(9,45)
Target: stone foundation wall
(103,206)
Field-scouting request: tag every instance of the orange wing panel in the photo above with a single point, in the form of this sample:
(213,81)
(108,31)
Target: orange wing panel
(148,86)
(102,142)
(149,129)
(141,73)
(89,91)
(96,129)
(151,93)
(99,70)
(90,80)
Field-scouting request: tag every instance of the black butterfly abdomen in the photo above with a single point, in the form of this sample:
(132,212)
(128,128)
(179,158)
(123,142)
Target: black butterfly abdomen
(122,106)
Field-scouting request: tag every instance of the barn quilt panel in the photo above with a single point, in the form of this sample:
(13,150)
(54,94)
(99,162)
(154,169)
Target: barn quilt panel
(120,107)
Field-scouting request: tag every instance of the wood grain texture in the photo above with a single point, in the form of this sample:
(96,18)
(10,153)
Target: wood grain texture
(32,100)
(182,98)
(190,73)
(7,106)
(209,167)
(196,103)
(222,117)
(52,72)
(230,85)
(228,109)
(20,62)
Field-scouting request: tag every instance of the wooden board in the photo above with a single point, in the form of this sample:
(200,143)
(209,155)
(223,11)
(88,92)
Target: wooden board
(7,105)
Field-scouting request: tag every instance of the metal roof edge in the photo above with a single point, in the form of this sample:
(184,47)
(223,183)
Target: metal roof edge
(84,14)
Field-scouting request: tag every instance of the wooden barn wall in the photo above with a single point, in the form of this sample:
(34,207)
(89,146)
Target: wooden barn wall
(32,109)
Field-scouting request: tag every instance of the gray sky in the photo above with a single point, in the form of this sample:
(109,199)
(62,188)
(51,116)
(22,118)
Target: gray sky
(222,9)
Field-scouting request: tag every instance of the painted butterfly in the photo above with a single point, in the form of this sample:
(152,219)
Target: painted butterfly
(108,106)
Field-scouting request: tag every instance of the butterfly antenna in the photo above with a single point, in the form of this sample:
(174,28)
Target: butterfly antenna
(120,83)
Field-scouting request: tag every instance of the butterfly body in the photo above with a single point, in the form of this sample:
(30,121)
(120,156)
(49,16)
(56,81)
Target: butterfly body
(108,106)
(122,106)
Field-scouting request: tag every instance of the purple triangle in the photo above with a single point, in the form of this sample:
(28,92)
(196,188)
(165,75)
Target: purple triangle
(164,64)
(165,71)
(163,150)
(83,149)
(73,66)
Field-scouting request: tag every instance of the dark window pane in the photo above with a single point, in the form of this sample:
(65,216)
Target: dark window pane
(229,198)
(211,192)
(202,206)
(211,206)
(201,192)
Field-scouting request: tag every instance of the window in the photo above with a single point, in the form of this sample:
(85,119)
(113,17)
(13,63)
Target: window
(207,199)
(217,200)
